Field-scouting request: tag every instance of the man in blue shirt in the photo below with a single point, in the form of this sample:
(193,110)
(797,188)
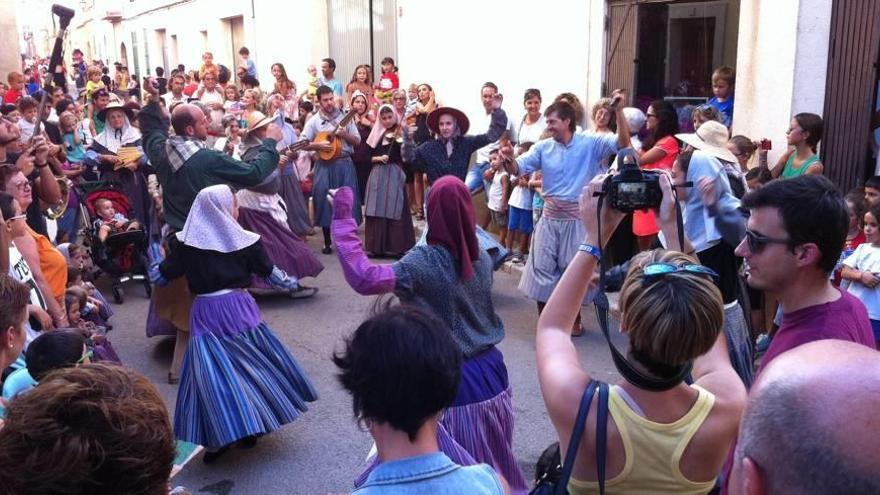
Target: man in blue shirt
(328,68)
(568,161)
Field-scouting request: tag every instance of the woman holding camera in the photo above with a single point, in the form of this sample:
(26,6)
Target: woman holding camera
(672,315)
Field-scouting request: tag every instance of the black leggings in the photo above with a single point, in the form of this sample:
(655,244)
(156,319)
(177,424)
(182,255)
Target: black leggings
(326,231)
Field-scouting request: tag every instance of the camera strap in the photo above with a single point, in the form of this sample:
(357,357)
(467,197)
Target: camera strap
(629,371)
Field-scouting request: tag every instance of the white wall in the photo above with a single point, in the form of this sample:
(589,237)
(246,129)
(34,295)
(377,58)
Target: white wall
(517,44)
(781,66)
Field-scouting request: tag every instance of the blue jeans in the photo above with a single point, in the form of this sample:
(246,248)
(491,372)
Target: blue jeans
(474,178)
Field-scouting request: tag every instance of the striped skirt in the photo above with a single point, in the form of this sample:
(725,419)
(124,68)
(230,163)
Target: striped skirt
(286,250)
(333,175)
(554,244)
(478,427)
(237,379)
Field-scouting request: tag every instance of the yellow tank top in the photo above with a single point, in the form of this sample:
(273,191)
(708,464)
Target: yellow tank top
(653,451)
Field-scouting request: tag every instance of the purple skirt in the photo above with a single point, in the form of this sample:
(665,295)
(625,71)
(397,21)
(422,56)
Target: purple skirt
(237,378)
(478,428)
(286,250)
(156,325)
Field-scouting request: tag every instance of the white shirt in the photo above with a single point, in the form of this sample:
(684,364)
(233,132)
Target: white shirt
(521,197)
(483,153)
(210,97)
(531,133)
(170,99)
(21,271)
(865,258)
(496,191)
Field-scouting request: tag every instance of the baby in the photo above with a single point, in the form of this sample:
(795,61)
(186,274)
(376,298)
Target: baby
(112,222)
(313,81)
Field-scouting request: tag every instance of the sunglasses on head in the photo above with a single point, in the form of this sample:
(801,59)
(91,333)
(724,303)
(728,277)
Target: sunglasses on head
(758,242)
(87,355)
(656,270)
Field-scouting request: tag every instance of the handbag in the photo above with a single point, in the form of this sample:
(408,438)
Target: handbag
(552,475)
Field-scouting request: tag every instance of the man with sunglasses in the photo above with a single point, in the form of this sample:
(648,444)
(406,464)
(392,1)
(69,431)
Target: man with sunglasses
(794,237)
(795,233)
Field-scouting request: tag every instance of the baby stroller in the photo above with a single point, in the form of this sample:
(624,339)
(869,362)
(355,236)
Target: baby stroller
(123,256)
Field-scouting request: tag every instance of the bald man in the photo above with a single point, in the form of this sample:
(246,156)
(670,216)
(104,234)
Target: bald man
(812,424)
(185,166)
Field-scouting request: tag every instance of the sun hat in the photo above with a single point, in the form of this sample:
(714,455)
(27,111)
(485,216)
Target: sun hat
(712,138)
(115,105)
(434,119)
(257,120)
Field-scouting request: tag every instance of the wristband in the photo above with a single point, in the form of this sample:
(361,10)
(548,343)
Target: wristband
(591,250)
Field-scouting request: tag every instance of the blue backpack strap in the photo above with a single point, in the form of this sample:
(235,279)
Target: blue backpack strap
(601,434)
(576,434)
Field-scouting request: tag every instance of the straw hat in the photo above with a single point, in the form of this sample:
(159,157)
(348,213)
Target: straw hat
(434,119)
(257,120)
(115,105)
(712,138)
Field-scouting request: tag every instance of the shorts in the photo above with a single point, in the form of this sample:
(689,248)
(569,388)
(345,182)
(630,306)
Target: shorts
(520,220)
(875,326)
(499,219)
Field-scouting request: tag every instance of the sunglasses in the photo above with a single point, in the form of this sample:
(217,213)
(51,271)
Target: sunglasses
(87,355)
(758,242)
(657,270)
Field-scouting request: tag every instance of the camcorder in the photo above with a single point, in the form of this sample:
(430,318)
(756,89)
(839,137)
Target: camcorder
(632,188)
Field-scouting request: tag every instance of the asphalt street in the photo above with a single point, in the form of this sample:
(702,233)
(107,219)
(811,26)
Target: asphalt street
(324,450)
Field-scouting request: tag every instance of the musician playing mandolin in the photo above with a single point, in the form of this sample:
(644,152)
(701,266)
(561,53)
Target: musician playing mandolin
(331,130)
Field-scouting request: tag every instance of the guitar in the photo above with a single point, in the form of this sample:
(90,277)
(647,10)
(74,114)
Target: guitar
(329,137)
(295,147)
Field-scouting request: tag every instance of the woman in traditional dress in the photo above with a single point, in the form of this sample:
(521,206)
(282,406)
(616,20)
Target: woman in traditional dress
(238,380)
(289,176)
(389,229)
(115,152)
(263,211)
(361,155)
(450,277)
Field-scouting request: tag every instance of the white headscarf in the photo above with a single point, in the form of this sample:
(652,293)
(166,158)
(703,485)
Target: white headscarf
(210,225)
(379,129)
(113,139)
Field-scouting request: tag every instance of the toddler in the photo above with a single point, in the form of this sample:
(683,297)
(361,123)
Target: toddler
(74,138)
(94,83)
(872,191)
(111,222)
(313,82)
(10,112)
(96,336)
(498,193)
(520,222)
(723,80)
(27,106)
(388,81)
(232,104)
(862,270)
(208,65)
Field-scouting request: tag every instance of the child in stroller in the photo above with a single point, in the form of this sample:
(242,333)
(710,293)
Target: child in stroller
(119,246)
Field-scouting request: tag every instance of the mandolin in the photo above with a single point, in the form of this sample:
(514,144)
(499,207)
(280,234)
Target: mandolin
(329,137)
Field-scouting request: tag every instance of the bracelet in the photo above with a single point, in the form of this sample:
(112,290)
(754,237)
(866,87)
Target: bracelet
(591,250)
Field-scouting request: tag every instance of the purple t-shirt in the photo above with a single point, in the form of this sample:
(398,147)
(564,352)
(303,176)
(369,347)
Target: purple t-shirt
(843,319)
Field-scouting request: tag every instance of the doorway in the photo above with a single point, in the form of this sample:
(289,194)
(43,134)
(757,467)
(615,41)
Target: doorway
(236,39)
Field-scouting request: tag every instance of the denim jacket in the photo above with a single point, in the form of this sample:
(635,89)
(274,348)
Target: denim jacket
(431,473)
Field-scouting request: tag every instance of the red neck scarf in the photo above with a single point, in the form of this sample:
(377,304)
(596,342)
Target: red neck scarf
(451,222)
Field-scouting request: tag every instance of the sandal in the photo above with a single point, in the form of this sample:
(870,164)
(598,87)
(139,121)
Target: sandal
(303,292)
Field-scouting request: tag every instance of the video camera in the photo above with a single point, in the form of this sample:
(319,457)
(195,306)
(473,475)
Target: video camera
(632,188)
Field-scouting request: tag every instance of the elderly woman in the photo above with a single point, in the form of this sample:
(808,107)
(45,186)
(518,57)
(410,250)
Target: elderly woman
(262,210)
(450,278)
(389,230)
(119,157)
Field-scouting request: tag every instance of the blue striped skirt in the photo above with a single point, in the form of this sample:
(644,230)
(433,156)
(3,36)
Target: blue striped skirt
(237,379)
